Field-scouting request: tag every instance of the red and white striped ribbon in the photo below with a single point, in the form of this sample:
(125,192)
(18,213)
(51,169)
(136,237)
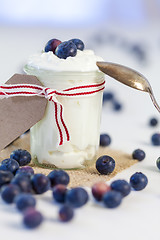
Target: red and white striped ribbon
(15,90)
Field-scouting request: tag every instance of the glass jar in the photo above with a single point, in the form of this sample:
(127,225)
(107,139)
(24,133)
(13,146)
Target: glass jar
(82,116)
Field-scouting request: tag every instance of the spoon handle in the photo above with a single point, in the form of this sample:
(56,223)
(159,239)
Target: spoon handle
(153,99)
(128,77)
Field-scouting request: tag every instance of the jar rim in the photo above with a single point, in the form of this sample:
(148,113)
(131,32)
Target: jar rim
(32,70)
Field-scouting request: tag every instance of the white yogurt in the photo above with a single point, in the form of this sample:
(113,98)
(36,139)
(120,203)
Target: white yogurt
(81,114)
(84,61)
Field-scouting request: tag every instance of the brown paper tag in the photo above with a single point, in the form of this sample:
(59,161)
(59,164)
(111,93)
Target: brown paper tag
(18,114)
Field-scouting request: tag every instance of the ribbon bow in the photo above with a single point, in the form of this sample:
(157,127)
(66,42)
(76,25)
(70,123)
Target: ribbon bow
(15,90)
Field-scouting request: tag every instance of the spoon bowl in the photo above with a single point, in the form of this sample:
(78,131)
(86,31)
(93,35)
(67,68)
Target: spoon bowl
(129,77)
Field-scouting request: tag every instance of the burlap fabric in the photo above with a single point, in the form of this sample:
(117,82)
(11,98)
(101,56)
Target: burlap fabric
(82,177)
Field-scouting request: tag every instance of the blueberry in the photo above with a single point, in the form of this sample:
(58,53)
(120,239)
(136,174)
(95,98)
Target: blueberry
(24,200)
(107,96)
(26,170)
(58,177)
(105,140)
(138,154)
(66,213)
(40,183)
(105,164)
(32,218)
(5,177)
(76,197)
(117,106)
(66,49)
(59,193)
(9,165)
(112,199)
(79,44)
(138,181)
(139,52)
(153,122)
(99,189)
(51,45)
(156,139)
(23,157)
(158,163)
(121,186)
(9,192)
(23,182)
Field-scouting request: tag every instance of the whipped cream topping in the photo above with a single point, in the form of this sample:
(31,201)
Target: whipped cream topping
(84,61)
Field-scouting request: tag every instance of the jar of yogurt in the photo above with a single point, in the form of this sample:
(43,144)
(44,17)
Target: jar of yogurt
(81,113)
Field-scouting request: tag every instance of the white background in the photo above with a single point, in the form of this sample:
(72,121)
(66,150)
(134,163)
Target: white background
(138,215)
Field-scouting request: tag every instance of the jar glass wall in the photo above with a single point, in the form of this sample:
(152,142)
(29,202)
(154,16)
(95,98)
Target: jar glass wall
(82,116)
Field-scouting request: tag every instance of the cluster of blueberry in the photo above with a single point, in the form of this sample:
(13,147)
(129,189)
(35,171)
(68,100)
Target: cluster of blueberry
(64,49)
(109,97)
(105,140)
(19,184)
(106,164)
(137,50)
(112,195)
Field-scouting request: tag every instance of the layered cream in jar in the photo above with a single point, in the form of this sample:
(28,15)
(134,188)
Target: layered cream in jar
(81,112)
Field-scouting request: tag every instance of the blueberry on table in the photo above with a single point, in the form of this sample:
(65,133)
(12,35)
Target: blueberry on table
(107,96)
(9,192)
(105,140)
(59,193)
(40,183)
(23,157)
(99,189)
(138,154)
(79,44)
(66,213)
(23,182)
(26,170)
(156,139)
(24,200)
(5,177)
(117,106)
(66,49)
(138,51)
(112,199)
(9,165)
(121,186)
(158,163)
(32,218)
(58,177)
(77,197)
(153,122)
(105,165)
(51,45)
(138,181)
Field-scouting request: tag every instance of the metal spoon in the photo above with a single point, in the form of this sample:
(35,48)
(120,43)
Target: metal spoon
(128,77)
